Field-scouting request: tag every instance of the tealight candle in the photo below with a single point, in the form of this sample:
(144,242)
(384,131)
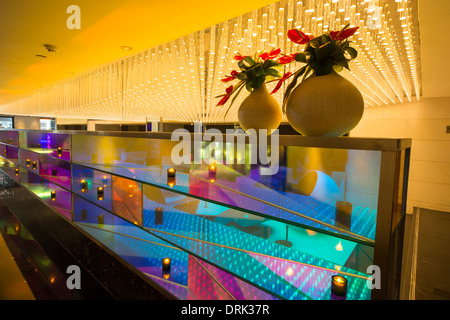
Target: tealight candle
(339,286)
(59,151)
(100,193)
(34,165)
(171,172)
(28,162)
(212,170)
(17,172)
(53,195)
(166,264)
(83,186)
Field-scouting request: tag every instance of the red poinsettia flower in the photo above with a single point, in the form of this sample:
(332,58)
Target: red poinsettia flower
(298,37)
(233,76)
(225,98)
(344,34)
(286,59)
(280,82)
(270,55)
(239,57)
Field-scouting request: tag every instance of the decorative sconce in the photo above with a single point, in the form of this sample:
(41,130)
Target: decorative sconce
(338,287)
(100,193)
(159,215)
(53,195)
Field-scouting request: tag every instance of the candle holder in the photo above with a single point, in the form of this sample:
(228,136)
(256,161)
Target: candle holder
(100,193)
(212,171)
(171,173)
(16,171)
(34,166)
(159,216)
(343,214)
(338,287)
(28,162)
(53,195)
(59,151)
(166,264)
(83,186)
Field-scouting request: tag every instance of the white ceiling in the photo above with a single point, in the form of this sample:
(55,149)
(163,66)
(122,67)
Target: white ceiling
(106,25)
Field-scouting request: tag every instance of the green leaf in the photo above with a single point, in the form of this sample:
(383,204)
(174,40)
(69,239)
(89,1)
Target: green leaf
(352,52)
(258,82)
(337,67)
(248,62)
(323,67)
(273,72)
(300,57)
(242,76)
(315,42)
(269,63)
(327,50)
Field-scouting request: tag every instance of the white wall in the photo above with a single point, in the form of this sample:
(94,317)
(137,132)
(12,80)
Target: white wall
(425,122)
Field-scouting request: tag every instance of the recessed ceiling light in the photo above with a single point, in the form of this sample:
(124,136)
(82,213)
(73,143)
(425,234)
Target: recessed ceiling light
(127,48)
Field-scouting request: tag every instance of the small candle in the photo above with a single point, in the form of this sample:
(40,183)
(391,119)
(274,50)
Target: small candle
(28,162)
(105,180)
(17,172)
(339,286)
(53,195)
(34,165)
(212,171)
(166,264)
(171,173)
(83,186)
(59,151)
(100,193)
(130,190)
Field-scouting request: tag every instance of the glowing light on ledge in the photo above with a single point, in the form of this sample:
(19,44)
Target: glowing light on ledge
(179,80)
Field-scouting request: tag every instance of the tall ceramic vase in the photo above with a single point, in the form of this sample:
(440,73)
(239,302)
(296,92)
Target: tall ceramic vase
(260,110)
(325,106)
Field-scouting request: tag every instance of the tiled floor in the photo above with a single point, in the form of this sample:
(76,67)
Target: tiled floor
(426,261)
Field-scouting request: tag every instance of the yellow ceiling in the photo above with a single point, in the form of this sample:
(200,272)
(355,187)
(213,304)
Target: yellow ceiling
(25,26)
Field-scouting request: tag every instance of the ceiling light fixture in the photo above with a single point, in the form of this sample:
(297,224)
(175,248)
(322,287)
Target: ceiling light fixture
(126,48)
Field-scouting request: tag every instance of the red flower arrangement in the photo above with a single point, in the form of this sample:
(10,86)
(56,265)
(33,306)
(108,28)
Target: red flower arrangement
(254,72)
(322,54)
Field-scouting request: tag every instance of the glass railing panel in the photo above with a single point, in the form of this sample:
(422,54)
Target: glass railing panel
(9,137)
